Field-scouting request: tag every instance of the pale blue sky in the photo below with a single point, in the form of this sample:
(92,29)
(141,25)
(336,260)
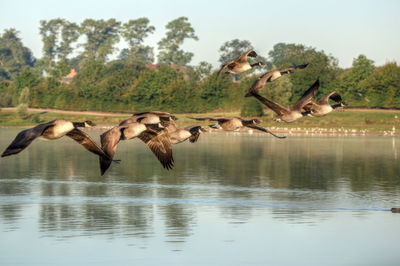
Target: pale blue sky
(342,28)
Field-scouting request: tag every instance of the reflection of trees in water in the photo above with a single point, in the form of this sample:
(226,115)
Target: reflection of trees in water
(10,213)
(93,218)
(293,170)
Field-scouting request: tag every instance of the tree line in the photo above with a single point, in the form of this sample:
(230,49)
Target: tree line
(132,82)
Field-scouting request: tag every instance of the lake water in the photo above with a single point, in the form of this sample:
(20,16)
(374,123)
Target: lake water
(230,200)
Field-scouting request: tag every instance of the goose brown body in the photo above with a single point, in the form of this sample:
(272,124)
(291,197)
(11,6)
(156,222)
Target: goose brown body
(295,111)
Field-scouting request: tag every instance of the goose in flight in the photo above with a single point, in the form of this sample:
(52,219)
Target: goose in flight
(322,106)
(241,64)
(236,123)
(154,135)
(177,134)
(296,111)
(54,130)
(271,76)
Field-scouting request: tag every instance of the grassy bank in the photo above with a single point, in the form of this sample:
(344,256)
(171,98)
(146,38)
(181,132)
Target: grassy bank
(371,120)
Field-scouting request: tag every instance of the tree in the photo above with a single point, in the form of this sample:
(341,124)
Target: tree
(101,37)
(57,36)
(322,66)
(69,35)
(14,56)
(383,86)
(49,31)
(134,31)
(202,70)
(350,81)
(178,30)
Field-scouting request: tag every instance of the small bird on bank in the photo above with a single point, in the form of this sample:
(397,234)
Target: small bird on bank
(236,123)
(154,135)
(54,130)
(296,111)
(322,106)
(271,76)
(241,64)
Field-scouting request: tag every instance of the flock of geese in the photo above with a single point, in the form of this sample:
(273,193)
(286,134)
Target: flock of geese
(159,131)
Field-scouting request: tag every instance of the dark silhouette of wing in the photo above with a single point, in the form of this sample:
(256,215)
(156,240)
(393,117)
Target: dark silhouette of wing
(152,112)
(333,96)
(86,141)
(277,108)
(109,141)
(25,137)
(306,97)
(266,131)
(243,57)
(160,145)
(259,83)
(289,70)
(224,66)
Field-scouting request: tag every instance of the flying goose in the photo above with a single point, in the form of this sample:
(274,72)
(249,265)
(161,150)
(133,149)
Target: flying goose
(241,63)
(54,130)
(295,111)
(154,135)
(151,117)
(322,106)
(235,123)
(271,76)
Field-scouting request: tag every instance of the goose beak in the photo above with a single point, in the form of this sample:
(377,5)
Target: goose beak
(202,129)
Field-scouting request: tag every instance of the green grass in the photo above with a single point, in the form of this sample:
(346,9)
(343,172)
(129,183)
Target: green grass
(371,120)
(12,119)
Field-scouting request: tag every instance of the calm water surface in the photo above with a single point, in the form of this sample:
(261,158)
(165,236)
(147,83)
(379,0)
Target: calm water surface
(231,200)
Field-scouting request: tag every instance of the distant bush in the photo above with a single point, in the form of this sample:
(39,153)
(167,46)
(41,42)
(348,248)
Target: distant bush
(22,110)
(252,107)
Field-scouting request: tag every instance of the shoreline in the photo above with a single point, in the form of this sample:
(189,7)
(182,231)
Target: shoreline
(276,130)
(381,122)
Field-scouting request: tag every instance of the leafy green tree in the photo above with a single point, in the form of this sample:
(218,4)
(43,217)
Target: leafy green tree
(6,92)
(252,107)
(202,70)
(50,34)
(14,56)
(22,108)
(69,35)
(101,38)
(350,81)
(383,86)
(177,31)
(152,88)
(26,78)
(87,80)
(322,66)
(134,32)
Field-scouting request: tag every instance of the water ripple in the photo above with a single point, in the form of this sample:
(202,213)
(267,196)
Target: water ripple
(57,199)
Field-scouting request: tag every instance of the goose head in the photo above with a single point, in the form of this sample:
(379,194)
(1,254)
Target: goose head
(256,121)
(89,123)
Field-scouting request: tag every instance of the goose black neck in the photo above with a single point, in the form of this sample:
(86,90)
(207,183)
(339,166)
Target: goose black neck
(336,105)
(79,124)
